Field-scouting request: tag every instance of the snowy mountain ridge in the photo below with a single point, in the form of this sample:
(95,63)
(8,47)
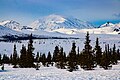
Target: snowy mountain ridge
(107,24)
(56,26)
(5,31)
(109,29)
(53,22)
(11,24)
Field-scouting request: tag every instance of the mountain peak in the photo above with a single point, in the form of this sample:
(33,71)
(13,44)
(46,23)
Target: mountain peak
(55,18)
(107,24)
(53,22)
(11,24)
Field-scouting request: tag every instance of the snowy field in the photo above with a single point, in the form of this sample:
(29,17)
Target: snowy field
(52,73)
(46,45)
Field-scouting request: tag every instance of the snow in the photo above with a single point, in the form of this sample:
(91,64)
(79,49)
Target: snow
(57,26)
(107,35)
(7,31)
(107,24)
(53,22)
(53,73)
(46,45)
(45,33)
(4,22)
(11,24)
(65,27)
(114,29)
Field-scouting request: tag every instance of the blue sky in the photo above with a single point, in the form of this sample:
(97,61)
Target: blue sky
(94,11)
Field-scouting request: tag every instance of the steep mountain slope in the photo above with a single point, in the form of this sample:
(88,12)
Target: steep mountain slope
(9,32)
(111,27)
(53,22)
(107,28)
(104,29)
(11,24)
(107,24)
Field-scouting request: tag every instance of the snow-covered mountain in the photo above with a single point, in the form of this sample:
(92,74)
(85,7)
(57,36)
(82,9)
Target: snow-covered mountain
(104,29)
(11,24)
(56,26)
(5,31)
(107,28)
(111,27)
(53,22)
(8,33)
(107,24)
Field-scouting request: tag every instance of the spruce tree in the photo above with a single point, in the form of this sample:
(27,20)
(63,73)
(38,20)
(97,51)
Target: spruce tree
(110,55)
(118,54)
(49,58)
(105,61)
(60,58)
(40,57)
(23,57)
(114,55)
(43,60)
(64,56)
(37,61)
(109,52)
(11,59)
(78,56)
(87,57)
(98,52)
(30,54)
(72,63)
(37,58)
(0,60)
(15,57)
(5,59)
(55,54)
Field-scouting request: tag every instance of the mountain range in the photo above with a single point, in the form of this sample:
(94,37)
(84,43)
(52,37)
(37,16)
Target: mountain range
(56,26)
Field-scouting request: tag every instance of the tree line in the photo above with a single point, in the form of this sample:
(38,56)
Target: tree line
(88,58)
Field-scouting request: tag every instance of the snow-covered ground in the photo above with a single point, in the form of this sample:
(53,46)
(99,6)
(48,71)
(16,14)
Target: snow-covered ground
(46,45)
(53,73)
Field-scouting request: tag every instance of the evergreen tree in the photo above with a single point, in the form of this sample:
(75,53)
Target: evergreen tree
(23,57)
(72,63)
(30,54)
(15,57)
(11,58)
(37,58)
(49,58)
(114,55)
(60,58)
(40,58)
(98,52)
(109,52)
(5,59)
(78,50)
(0,60)
(105,61)
(118,54)
(110,55)
(55,54)
(43,60)
(87,57)
(78,56)
(64,56)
